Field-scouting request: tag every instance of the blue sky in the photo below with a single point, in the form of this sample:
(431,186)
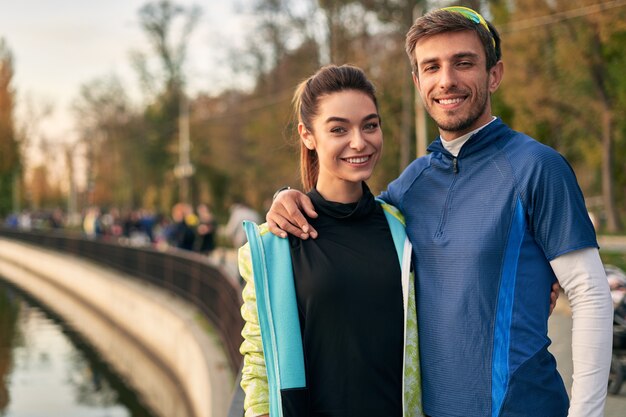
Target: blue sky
(58,45)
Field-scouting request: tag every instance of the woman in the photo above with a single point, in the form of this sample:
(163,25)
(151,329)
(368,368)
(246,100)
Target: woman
(331,328)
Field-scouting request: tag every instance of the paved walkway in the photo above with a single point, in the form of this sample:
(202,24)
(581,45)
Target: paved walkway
(612,243)
(226,258)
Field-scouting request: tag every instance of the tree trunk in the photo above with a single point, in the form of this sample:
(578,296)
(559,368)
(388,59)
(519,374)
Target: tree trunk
(599,75)
(407,116)
(612,217)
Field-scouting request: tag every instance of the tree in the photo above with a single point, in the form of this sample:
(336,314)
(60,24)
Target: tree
(598,57)
(242,145)
(157,20)
(261,151)
(110,136)
(164,87)
(371,34)
(244,141)
(395,76)
(9,146)
(40,190)
(564,77)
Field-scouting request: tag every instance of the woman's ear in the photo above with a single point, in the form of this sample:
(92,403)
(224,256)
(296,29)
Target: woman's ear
(306,136)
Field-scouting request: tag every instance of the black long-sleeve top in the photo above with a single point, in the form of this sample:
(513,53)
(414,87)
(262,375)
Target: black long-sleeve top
(349,298)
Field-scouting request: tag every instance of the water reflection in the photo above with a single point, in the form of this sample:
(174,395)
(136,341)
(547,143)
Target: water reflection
(47,370)
(9,309)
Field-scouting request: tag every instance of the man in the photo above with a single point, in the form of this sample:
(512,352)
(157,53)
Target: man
(495,218)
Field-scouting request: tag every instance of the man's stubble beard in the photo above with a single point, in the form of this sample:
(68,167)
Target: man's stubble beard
(464,123)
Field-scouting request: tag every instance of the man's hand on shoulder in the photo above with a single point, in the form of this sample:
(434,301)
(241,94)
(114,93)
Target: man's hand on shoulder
(286,215)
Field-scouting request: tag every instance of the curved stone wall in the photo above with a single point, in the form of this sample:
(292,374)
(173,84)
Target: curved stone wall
(156,341)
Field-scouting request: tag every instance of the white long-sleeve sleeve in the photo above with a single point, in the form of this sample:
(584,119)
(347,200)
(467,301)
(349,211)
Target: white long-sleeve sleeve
(582,276)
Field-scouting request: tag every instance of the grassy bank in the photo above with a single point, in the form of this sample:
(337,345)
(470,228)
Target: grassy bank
(614,258)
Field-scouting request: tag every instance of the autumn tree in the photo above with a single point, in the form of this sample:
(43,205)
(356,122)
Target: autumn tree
(601,35)
(389,67)
(368,34)
(110,132)
(43,191)
(242,145)
(564,83)
(164,88)
(9,149)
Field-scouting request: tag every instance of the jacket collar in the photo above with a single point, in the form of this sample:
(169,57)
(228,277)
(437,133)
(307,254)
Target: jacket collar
(495,131)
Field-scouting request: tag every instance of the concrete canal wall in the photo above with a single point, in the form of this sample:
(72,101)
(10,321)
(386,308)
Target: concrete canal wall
(154,340)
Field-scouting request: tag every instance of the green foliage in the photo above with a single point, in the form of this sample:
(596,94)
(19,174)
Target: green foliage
(161,117)
(564,83)
(132,152)
(245,141)
(617,259)
(160,134)
(9,147)
(614,54)
(563,73)
(6,192)
(110,131)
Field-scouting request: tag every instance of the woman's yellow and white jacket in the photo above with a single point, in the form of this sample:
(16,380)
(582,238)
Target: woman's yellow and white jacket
(272,324)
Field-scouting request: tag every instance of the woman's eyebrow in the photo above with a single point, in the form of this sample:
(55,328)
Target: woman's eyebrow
(337,119)
(344,120)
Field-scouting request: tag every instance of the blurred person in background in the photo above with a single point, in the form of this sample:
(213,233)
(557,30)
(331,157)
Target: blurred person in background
(138,228)
(234,228)
(91,223)
(206,230)
(181,232)
(57,219)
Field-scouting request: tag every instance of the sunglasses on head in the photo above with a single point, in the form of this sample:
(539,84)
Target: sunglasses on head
(473,16)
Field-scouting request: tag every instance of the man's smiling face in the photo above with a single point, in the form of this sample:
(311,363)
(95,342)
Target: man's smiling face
(454,83)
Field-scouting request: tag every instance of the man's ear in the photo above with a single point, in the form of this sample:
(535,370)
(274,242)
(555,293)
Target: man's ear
(496,73)
(416,80)
(306,136)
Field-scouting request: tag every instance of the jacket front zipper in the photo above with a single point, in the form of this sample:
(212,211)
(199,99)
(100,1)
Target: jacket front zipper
(444,214)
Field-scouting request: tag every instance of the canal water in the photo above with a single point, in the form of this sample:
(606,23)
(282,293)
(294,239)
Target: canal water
(48,370)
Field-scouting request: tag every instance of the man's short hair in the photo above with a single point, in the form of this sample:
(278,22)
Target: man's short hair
(442,21)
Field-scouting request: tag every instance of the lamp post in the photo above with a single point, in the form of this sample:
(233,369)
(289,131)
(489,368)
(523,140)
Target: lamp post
(184,170)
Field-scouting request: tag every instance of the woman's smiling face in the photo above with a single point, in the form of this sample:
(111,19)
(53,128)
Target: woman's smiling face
(348,140)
